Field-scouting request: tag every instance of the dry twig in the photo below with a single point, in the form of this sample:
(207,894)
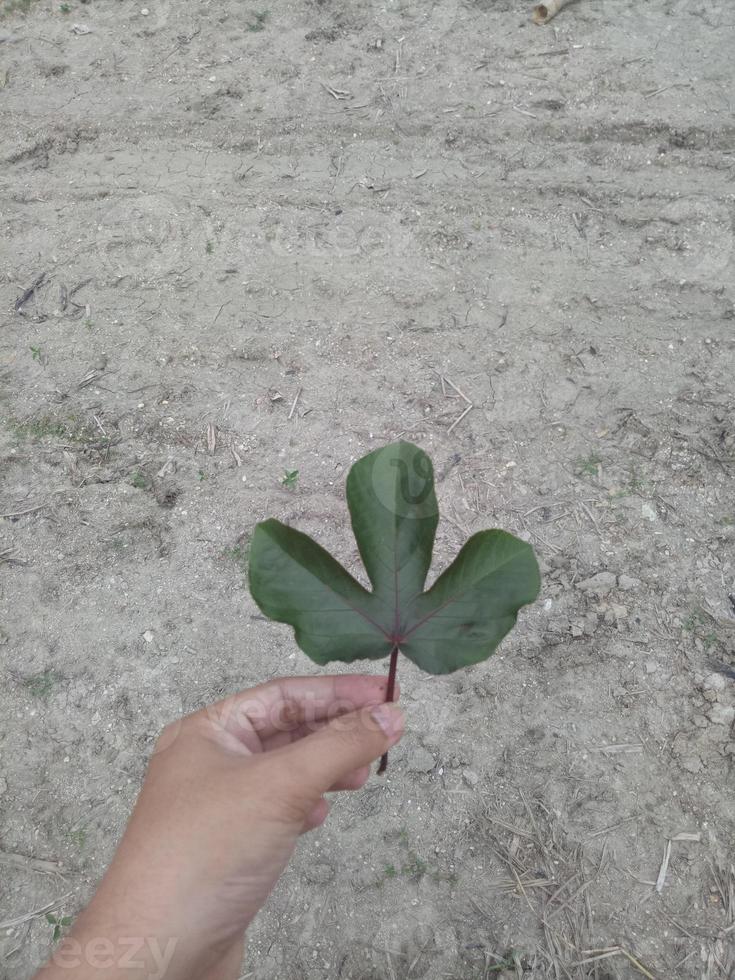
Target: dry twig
(295,402)
(544,12)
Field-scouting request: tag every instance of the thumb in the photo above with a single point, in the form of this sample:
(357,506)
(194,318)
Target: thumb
(347,743)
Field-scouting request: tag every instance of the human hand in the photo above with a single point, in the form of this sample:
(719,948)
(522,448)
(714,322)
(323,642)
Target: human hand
(228,791)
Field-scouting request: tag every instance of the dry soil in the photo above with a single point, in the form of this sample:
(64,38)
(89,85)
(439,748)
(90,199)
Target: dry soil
(240,240)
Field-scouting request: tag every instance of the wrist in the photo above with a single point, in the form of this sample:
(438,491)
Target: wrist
(115,938)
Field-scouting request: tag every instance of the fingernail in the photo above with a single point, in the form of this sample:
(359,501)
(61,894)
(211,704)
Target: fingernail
(389,717)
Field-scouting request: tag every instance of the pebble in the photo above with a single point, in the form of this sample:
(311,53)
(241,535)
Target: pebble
(714,682)
(471,778)
(651,666)
(730,748)
(148,636)
(627,583)
(680,744)
(692,763)
(600,584)
(721,714)
(419,760)
(649,512)
(319,873)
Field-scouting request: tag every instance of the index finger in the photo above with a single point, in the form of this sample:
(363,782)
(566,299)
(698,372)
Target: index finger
(287,703)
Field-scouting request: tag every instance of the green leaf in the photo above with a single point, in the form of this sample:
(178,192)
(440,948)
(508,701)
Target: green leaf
(460,620)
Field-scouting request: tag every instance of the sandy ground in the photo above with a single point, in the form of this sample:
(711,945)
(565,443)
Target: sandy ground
(228,209)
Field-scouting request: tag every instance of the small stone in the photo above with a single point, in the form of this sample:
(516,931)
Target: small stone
(680,744)
(619,612)
(721,714)
(3,786)
(700,721)
(591,622)
(419,760)
(649,512)
(144,12)
(320,873)
(710,695)
(729,748)
(148,636)
(627,583)
(651,666)
(471,778)
(692,763)
(576,629)
(714,682)
(599,584)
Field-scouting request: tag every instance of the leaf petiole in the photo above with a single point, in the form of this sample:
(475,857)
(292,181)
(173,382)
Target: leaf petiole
(390,696)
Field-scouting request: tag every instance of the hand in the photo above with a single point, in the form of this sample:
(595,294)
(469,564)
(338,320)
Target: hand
(228,791)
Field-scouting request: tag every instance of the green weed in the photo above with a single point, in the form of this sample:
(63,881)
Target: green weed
(36,353)
(290,479)
(697,617)
(634,485)
(59,924)
(258,21)
(239,553)
(588,465)
(509,962)
(209,248)
(8,7)
(695,624)
(140,480)
(40,428)
(413,867)
(72,428)
(42,684)
(78,837)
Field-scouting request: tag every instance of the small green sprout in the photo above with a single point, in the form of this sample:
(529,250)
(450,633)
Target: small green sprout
(589,465)
(59,924)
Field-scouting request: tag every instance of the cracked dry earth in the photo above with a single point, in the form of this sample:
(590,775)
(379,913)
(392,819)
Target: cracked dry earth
(239,241)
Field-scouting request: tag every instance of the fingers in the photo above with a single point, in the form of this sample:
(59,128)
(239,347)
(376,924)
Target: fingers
(316,817)
(295,703)
(347,744)
(353,780)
